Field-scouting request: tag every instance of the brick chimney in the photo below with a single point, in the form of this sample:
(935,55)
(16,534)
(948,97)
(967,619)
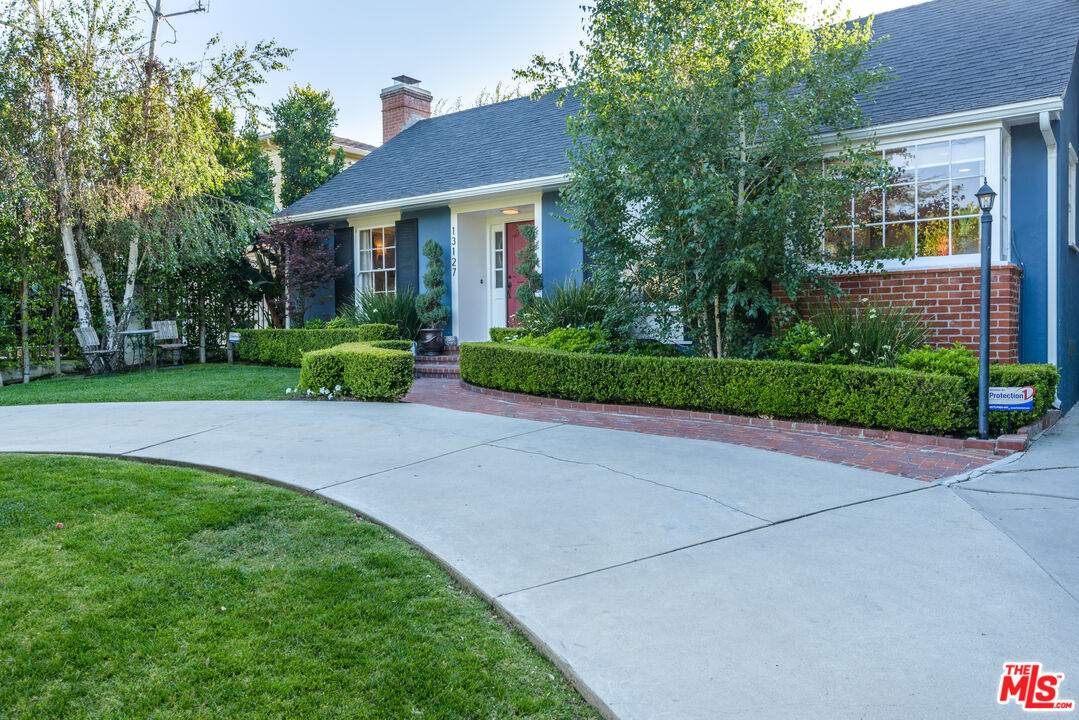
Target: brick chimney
(403,103)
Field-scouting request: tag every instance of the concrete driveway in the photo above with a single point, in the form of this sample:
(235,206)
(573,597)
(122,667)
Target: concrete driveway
(676,578)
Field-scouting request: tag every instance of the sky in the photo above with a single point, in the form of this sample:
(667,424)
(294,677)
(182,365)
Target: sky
(353,48)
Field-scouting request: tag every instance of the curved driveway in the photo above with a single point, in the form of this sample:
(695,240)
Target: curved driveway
(676,578)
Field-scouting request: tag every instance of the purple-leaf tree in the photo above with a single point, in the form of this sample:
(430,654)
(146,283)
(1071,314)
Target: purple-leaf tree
(305,265)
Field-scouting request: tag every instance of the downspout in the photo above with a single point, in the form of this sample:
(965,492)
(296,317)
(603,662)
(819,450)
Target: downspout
(1052,239)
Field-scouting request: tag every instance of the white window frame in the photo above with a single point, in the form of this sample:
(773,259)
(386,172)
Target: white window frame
(357,273)
(1073,161)
(993,135)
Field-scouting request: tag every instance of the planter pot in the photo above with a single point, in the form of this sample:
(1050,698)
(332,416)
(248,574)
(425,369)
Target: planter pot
(429,341)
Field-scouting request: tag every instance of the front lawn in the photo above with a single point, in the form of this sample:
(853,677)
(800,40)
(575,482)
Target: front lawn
(182,594)
(194,382)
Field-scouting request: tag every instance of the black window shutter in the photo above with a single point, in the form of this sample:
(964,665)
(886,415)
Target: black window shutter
(344,287)
(408,254)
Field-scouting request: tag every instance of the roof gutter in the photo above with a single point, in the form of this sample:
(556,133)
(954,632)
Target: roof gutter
(431,199)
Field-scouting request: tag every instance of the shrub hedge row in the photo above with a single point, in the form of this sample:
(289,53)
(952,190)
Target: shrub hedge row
(501,334)
(286,347)
(1043,378)
(884,398)
(369,371)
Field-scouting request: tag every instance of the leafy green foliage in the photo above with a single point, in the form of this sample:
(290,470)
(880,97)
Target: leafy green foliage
(801,343)
(397,308)
(569,305)
(359,370)
(432,313)
(866,396)
(172,592)
(699,130)
(286,347)
(527,260)
(570,339)
(506,334)
(303,132)
(869,333)
(956,360)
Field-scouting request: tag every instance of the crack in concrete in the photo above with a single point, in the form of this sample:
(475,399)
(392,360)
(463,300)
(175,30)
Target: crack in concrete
(1029,470)
(709,541)
(636,477)
(1016,492)
(435,457)
(180,437)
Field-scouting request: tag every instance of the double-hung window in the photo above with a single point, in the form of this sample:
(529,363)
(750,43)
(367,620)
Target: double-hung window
(929,208)
(376,260)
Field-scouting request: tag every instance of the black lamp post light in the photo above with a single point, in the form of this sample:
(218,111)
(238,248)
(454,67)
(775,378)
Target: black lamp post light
(985,196)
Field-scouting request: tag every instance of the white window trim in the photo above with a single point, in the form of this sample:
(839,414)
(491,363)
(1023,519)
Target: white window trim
(993,135)
(356,272)
(1073,161)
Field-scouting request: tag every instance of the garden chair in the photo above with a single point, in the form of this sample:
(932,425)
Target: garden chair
(168,332)
(100,361)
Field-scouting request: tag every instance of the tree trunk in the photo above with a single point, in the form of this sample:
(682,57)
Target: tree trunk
(24,312)
(128,305)
(103,291)
(57,364)
(202,330)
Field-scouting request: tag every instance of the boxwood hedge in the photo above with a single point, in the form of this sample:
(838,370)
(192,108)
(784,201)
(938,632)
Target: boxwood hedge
(370,371)
(858,395)
(286,347)
(1043,378)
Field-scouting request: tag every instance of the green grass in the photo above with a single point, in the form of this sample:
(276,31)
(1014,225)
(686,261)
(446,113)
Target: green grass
(175,593)
(194,382)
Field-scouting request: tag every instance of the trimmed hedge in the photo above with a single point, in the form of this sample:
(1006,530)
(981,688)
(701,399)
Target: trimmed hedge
(501,335)
(1043,378)
(361,370)
(872,397)
(286,347)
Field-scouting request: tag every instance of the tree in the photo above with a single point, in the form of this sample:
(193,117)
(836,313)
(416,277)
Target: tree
(303,133)
(298,258)
(501,93)
(698,179)
(126,144)
(433,314)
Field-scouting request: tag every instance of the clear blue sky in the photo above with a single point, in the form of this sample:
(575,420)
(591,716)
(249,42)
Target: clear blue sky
(353,47)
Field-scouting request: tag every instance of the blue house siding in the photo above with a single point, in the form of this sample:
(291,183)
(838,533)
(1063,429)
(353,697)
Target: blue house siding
(1067,259)
(435,223)
(562,254)
(1028,227)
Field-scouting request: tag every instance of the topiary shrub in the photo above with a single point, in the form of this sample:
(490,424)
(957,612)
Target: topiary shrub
(872,397)
(286,347)
(360,370)
(432,313)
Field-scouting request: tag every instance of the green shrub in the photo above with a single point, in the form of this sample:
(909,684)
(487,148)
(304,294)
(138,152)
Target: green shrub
(286,347)
(398,308)
(801,343)
(638,347)
(430,311)
(1043,378)
(314,324)
(359,370)
(571,305)
(869,333)
(570,339)
(872,397)
(341,321)
(507,334)
(956,360)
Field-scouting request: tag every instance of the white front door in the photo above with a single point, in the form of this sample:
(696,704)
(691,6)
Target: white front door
(496,258)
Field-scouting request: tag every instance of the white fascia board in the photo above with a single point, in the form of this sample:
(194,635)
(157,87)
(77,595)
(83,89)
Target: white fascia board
(1014,113)
(432,199)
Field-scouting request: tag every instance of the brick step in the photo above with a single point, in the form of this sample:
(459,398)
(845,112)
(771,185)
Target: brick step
(440,370)
(436,359)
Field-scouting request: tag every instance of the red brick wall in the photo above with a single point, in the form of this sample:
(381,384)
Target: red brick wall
(401,105)
(949,298)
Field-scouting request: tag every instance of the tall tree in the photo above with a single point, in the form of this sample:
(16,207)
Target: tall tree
(698,176)
(303,132)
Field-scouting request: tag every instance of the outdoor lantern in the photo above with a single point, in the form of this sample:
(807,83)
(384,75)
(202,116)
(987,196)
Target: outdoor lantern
(986,196)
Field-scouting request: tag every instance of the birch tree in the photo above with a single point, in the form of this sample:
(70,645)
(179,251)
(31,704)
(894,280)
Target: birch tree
(698,182)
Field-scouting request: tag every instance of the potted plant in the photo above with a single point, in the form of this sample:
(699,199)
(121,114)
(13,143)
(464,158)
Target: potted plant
(433,314)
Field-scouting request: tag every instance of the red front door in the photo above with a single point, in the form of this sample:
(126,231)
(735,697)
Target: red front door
(515,242)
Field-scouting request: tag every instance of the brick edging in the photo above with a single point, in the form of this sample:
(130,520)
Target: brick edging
(1002,445)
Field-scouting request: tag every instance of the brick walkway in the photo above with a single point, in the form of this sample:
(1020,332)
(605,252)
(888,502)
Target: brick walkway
(898,458)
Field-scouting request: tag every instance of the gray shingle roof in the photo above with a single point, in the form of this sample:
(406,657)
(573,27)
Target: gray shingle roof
(945,55)
(953,55)
(512,140)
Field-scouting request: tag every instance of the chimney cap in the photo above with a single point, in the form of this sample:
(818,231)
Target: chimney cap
(406,80)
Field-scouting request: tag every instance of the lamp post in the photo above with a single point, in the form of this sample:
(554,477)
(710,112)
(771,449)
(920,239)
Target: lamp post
(985,196)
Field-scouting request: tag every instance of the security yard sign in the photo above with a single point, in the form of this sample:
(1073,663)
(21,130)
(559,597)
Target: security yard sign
(1011,398)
